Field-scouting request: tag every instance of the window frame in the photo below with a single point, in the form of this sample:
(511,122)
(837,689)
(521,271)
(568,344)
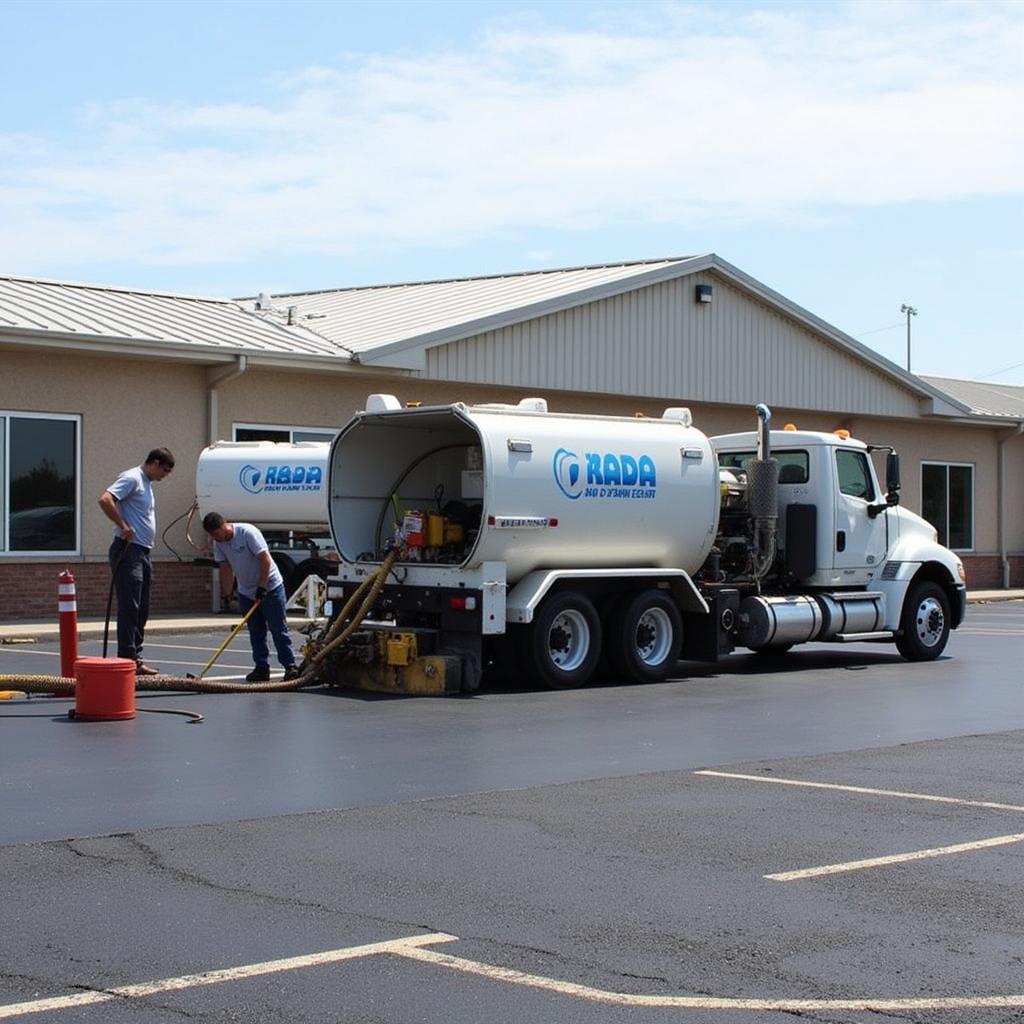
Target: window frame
(6,415)
(290,428)
(974,505)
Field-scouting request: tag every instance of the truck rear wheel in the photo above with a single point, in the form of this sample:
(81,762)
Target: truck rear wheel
(564,641)
(310,567)
(645,636)
(924,622)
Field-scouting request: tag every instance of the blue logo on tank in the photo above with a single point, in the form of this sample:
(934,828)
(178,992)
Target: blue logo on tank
(604,475)
(281,478)
(566,467)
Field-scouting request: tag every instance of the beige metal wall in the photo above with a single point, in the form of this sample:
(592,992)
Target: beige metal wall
(127,408)
(260,396)
(659,341)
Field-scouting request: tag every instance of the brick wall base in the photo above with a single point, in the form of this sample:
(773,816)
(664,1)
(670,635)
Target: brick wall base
(28,591)
(985,572)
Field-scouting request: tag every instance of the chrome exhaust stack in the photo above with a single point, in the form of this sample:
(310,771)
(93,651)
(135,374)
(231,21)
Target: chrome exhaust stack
(763,497)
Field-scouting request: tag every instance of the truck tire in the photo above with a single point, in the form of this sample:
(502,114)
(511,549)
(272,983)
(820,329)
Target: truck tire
(924,623)
(285,566)
(301,572)
(563,641)
(645,636)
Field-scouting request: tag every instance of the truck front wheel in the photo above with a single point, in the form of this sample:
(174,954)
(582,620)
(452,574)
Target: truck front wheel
(645,636)
(564,641)
(924,623)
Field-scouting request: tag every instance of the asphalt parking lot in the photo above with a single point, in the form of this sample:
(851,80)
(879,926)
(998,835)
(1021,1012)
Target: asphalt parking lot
(838,839)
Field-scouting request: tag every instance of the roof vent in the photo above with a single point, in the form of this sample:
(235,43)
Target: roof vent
(533,405)
(263,301)
(680,413)
(382,403)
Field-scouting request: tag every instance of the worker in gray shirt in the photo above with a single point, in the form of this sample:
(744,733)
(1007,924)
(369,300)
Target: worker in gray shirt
(129,504)
(241,550)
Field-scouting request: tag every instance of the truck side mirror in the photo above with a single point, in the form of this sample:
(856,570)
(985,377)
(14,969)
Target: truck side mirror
(892,478)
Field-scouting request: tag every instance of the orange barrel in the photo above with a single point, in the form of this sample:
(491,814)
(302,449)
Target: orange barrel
(104,689)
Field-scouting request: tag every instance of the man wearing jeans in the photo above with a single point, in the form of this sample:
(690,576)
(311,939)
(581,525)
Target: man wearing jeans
(128,503)
(241,550)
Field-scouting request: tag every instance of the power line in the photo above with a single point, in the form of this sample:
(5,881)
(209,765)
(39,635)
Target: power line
(995,373)
(891,327)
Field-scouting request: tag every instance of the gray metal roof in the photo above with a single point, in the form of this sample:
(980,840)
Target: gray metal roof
(394,325)
(984,398)
(389,318)
(34,308)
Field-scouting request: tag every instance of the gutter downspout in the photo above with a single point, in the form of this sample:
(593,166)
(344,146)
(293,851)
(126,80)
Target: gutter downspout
(1004,560)
(213,382)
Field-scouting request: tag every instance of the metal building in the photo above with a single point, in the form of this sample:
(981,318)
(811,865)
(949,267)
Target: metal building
(93,377)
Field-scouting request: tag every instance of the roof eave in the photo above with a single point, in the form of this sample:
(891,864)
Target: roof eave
(129,347)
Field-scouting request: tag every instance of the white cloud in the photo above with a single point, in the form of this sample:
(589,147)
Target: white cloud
(700,114)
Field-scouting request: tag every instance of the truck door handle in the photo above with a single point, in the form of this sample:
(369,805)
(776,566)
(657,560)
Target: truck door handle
(841,540)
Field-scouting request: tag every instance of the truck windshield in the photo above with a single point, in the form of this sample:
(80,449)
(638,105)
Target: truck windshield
(792,464)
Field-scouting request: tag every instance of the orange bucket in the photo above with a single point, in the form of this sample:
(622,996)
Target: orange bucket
(104,689)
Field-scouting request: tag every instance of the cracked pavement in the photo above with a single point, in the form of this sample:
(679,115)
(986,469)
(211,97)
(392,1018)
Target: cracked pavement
(642,878)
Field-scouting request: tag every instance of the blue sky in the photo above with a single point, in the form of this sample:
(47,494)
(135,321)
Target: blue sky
(854,157)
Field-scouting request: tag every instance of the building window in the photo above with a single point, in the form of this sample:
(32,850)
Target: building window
(947,502)
(39,483)
(273,432)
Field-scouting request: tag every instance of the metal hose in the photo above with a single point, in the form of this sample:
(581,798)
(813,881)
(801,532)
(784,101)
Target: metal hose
(339,632)
(62,686)
(336,635)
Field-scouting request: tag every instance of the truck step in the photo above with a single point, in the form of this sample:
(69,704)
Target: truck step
(852,638)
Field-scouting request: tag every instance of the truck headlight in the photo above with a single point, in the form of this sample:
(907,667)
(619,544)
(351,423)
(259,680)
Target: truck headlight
(960,569)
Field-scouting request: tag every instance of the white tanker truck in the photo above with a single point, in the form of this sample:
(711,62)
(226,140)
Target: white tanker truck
(282,489)
(568,545)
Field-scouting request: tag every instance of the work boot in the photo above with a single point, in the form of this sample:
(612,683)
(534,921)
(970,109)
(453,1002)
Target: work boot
(291,672)
(142,669)
(260,674)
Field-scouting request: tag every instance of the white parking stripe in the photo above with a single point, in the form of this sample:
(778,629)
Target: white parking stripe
(895,858)
(411,948)
(992,632)
(216,977)
(597,995)
(992,805)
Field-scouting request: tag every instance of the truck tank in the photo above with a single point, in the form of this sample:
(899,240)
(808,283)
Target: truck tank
(523,486)
(269,483)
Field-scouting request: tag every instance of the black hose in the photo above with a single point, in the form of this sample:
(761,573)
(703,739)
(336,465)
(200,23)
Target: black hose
(163,536)
(194,718)
(401,479)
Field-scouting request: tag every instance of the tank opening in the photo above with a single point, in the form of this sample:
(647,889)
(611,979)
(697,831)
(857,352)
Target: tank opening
(417,477)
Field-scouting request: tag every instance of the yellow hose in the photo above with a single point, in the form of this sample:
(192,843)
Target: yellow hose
(336,635)
(376,581)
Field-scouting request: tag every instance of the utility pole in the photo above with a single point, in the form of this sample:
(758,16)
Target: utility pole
(910,311)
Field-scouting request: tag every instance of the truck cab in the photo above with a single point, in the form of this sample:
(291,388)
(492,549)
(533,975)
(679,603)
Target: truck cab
(840,530)
(834,475)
